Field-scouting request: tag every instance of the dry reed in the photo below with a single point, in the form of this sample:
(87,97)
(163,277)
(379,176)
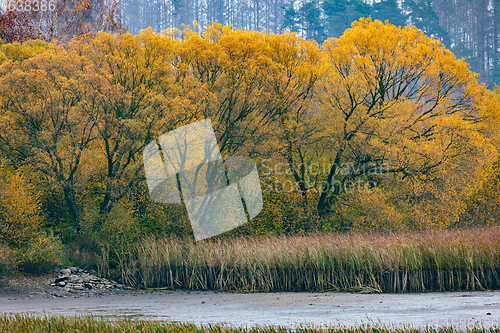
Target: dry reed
(466,259)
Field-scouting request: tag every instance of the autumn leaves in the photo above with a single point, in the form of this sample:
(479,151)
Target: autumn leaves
(79,115)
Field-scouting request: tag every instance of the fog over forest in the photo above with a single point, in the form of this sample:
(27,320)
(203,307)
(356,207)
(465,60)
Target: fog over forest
(469,28)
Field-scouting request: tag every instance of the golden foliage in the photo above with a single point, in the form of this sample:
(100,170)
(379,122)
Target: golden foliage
(20,213)
(23,242)
(378,95)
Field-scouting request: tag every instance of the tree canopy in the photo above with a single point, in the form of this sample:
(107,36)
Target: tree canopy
(382,128)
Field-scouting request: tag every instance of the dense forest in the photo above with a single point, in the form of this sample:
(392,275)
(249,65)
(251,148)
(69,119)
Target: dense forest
(470,28)
(380,129)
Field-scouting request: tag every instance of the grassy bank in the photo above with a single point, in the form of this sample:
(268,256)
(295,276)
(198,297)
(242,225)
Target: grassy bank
(31,324)
(466,259)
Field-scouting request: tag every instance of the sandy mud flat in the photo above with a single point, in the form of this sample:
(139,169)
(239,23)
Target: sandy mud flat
(460,309)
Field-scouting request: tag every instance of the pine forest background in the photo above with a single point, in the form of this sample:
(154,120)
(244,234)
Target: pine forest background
(470,28)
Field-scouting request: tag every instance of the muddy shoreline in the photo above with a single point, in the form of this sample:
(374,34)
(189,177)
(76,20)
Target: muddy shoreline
(35,295)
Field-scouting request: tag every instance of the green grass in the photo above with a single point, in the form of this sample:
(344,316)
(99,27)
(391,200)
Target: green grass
(32,324)
(466,259)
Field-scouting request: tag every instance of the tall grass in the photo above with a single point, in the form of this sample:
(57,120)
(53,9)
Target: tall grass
(397,262)
(31,324)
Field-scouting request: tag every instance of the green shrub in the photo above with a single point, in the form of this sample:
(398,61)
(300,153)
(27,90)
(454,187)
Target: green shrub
(7,259)
(40,254)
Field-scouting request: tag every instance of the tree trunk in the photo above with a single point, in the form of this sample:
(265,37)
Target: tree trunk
(331,174)
(69,196)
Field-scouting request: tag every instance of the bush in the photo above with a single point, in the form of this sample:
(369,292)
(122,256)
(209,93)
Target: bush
(7,259)
(110,236)
(40,254)
(483,205)
(20,213)
(368,212)
(24,244)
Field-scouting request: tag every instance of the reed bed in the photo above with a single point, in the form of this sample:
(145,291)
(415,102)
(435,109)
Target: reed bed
(23,323)
(465,259)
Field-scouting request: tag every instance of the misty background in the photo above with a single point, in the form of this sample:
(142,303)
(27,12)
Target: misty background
(470,28)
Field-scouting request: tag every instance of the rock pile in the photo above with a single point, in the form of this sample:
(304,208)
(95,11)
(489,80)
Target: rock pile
(74,279)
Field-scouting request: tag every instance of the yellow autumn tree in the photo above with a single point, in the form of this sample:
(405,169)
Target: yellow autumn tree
(130,84)
(23,242)
(43,125)
(383,123)
(249,83)
(395,110)
(246,79)
(21,216)
(483,204)
(19,52)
